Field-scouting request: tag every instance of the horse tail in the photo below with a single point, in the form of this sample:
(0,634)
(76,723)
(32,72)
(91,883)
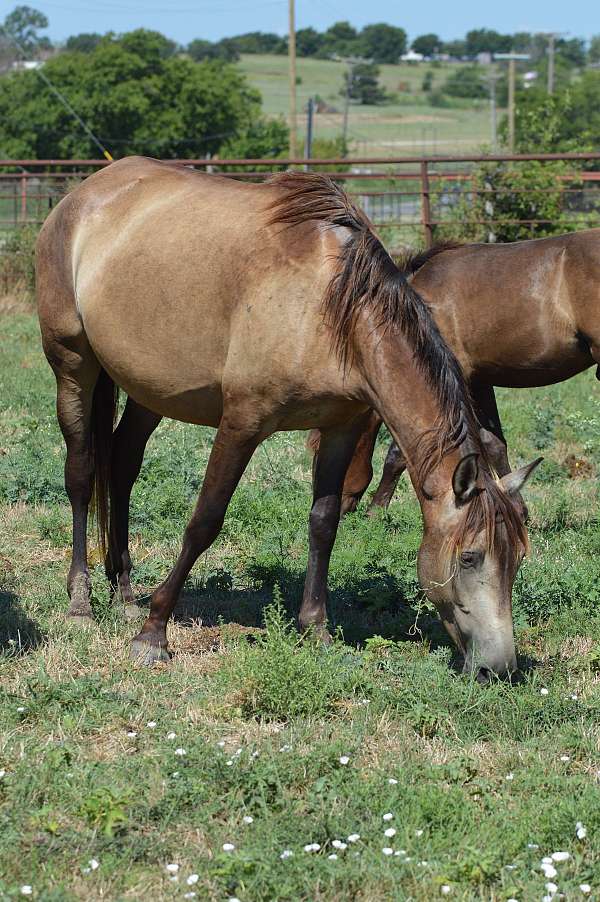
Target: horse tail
(104,412)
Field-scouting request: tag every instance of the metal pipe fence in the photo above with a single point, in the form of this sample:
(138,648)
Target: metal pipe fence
(414,200)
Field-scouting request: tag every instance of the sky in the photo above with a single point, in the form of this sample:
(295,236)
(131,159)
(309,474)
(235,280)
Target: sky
(183,20)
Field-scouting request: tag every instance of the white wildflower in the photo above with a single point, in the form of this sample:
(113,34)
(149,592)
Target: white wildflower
(171,735)
(510,777)
(228,847)
(248,819)
(549,871)
(2,774)
(560,856)
(20,710)
(354,837)
(229,763)
(192,879)
(387,851)
(392,781)
(388,817)
(389,832)
(585,888)
(445,889)
(287,853)
(338,844)
(344,759)
(312,847)
(172,868)
(544,691)
(180,752)
(419,832)
(565,758)
(552,888)
(26,890)
(189,895)
(151,724)
(333,857)
(532,845)
(580,830)
(221,743)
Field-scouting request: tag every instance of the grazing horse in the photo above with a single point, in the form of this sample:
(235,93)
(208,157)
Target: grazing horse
(253,309)
(516,315)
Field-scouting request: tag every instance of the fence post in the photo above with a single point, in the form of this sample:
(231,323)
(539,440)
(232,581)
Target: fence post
(426,205)
(23,198)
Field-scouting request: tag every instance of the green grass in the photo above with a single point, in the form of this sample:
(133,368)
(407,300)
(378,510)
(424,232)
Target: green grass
(407,126)
(264,720)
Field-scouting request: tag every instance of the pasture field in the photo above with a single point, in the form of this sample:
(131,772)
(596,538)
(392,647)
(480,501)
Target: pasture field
(410,125)
(212,775)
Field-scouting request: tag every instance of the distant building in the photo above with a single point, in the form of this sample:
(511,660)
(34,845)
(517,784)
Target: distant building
(412,57)
(20,65)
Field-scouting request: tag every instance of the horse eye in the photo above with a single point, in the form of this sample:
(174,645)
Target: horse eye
(470,558)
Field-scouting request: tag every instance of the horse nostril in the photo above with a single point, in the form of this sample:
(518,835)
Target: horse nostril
(484,676)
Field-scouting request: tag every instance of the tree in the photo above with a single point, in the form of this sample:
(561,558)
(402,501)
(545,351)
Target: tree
(341,39)
(261,139)
(84,42)
(485,40)
(427,44)
(383,43)
(259,42)
(456,49)
(309,42)
(362,84)
(22,25)
(572,51)
(133,94)
(567,120)
(226,49)
(466,81)
(594,51)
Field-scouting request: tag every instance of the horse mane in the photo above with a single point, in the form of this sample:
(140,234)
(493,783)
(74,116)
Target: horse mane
(367,279)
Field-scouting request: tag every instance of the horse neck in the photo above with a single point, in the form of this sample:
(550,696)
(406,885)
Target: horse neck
(397,389)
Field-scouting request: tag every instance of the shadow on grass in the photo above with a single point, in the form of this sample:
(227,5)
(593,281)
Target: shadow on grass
(368,607)
(18,633)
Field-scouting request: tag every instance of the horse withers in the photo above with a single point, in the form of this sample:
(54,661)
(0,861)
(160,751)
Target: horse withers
(253,309)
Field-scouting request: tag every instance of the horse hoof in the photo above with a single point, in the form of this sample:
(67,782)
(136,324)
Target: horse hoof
(132,611)
(148,654)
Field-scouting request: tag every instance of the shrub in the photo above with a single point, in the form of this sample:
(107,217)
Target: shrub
(281,676)
(17,260)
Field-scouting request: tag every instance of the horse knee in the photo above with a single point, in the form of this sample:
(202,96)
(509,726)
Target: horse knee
(323,520)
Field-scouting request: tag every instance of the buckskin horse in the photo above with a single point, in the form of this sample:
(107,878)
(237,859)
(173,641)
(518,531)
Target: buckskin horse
(516,315)
(254,309)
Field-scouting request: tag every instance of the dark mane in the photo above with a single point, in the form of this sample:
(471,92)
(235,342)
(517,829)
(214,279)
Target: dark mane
(368,279)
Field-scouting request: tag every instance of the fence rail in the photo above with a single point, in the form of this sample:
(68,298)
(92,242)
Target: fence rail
(415,198)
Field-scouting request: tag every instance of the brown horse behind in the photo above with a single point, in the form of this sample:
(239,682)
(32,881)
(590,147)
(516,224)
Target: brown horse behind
(517,315)
(254,309)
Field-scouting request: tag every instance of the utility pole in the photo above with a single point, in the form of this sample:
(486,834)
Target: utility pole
(310,111)
(551,47)
(292,64)
(512,59)
(493,78)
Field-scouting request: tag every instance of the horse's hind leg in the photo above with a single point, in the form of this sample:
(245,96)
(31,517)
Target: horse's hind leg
(76,378)
(492,436)
(393,468)
(360,471)
(333,457)
(233,447)
(129,442)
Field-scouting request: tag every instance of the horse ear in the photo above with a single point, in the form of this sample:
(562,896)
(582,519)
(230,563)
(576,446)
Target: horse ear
(513,482)
(464,480)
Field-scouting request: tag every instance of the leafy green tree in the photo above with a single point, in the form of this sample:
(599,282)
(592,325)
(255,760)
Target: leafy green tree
(262,138)
(467,81)
(22,26)
(309,42)
(361,83)
(571,51)
(485,40)
(567,120)
(260,42)
(134,94)
(341,39)
(84,42)
(594,51)
(383,43)
(427,44)
(456,49)
(225,49)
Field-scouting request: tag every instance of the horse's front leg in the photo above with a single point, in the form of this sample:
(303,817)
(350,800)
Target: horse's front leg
(331,463)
